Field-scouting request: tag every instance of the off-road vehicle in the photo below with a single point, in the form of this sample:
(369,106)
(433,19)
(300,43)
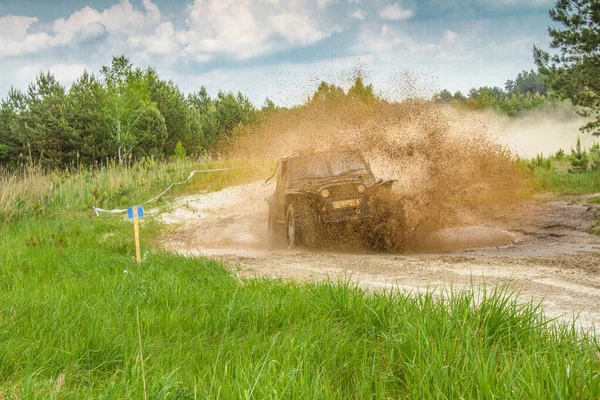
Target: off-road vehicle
(319,192)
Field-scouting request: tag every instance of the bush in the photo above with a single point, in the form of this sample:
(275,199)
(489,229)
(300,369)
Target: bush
(179,151)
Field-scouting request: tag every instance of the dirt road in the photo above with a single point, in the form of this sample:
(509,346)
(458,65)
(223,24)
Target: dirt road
(541,247)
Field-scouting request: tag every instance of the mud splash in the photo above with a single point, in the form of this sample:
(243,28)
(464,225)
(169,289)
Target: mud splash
(235,219)
(449,171)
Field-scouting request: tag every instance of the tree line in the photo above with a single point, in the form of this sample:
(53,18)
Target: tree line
(128,113)
(526,92)
(122,113)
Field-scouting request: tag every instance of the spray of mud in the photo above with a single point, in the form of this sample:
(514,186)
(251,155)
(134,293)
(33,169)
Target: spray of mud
(449,171)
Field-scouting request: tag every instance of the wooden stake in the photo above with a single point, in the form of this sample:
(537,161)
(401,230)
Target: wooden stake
(136,232)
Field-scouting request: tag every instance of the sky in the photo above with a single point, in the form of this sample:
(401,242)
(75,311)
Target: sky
(279,49)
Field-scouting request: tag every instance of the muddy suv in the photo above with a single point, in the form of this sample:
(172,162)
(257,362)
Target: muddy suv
(318,193)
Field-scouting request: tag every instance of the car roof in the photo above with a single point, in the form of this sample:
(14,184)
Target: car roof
(311,152)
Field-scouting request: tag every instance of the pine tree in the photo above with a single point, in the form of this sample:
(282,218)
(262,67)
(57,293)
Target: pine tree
(579,159)
(574,68)
(83,106)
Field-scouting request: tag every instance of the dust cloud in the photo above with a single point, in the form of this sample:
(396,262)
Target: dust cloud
(540,131)
(450,171)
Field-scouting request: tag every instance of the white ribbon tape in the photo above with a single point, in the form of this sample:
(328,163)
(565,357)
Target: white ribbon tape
(119,211)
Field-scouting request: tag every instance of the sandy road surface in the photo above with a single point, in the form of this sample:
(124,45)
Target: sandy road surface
(544,250)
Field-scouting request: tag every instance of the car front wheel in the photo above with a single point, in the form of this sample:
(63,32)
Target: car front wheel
(300,227)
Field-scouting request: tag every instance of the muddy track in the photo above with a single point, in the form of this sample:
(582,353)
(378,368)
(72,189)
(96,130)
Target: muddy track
(541,247)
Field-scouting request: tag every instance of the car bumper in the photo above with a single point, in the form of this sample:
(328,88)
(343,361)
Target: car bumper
(351,214)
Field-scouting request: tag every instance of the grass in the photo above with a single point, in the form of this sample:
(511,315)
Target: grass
(552,174)
(29,191)
(555,180)
(76,315)
(70,297)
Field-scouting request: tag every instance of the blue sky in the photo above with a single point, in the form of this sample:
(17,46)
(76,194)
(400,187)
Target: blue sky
(277,48)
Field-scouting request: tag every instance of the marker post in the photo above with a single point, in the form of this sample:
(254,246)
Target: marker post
(135,213)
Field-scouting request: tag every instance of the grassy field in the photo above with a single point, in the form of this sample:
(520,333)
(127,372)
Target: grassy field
(76,315)
(557,179)
(79,319)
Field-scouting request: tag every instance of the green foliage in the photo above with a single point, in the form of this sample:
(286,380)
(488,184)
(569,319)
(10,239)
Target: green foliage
(83,112)
(72,298)
(540,162)
(579,158)
(132,118)
(557,174)
(573,71)
(528,82)
(328,93)
(36,123)
(127,113)
(179,151)
(172,105)
(216,119)
(527,92)
(363,93)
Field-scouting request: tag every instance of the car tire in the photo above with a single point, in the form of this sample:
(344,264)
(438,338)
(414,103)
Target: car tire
(300,227)
(388,234)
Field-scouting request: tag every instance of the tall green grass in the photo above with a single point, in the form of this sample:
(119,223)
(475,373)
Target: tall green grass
(70,297)
(30,191)
(559,181)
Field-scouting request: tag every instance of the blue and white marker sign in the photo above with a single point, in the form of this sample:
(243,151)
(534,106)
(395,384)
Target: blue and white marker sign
(140,212)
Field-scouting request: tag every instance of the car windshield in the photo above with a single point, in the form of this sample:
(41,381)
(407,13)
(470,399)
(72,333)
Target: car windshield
(340,163)
(323,165)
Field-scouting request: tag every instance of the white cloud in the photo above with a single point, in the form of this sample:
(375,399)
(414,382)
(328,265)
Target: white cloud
(244,28)
(223,26)
(359,15)
(297,29)
(162,41)
(236,29)
(449,37)
(120,19)
(393,12)
(323,3)
(123,19)
(388,39)
(15,39)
